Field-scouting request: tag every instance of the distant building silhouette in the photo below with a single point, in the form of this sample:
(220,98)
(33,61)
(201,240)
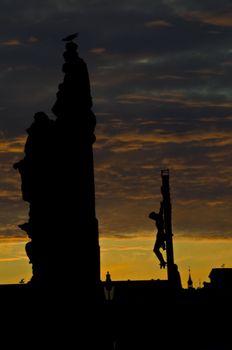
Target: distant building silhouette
(57,174)
(220,278)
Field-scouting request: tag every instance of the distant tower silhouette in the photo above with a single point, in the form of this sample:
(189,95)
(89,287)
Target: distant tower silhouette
(58,182)
(190,282)
(108,287)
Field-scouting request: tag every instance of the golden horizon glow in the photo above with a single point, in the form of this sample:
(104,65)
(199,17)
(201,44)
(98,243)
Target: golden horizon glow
(130,259)
(134,259)
(14,264)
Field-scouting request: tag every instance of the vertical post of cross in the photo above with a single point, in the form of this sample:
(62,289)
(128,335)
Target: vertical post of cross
(165,190)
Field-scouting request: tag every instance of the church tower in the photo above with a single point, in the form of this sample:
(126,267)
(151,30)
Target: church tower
(190,282)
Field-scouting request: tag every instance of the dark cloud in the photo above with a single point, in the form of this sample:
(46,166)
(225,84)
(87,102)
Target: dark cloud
(180,6)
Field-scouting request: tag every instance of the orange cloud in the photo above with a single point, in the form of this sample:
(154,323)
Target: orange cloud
(9,194)
(224,20)
(158,24)
(32,39)
(16,42)
(217,19)
(11,42)
(215,203)
(174,98)
(11,240)
(134,140)
(13,259)
(98,50)
(14,145)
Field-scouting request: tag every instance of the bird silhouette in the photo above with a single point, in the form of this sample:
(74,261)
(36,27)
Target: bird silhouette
(70,37)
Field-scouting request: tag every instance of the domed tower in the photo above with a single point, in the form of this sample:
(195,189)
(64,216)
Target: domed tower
(57,175)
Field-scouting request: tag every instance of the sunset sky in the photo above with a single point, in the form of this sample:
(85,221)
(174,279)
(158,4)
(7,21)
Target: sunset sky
(161,84)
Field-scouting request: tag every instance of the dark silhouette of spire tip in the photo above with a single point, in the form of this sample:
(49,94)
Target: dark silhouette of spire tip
(70,37)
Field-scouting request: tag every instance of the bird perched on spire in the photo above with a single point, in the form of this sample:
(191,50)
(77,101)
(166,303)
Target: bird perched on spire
(70,37)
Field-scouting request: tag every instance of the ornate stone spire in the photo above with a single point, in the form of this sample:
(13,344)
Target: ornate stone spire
(57,175)
(74,92)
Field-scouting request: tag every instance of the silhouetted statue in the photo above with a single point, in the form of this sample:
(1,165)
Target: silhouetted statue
(57,174)
(160,236)
(37,150)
